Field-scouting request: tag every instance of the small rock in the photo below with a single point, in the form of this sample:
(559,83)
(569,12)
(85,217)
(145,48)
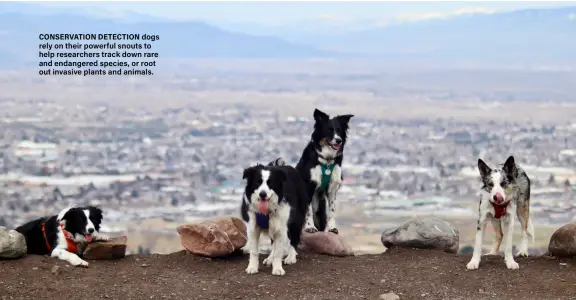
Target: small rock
(55,270)
(389,296)
(563,241)
(427,233)
(144,265)
(35,268)
(12,243)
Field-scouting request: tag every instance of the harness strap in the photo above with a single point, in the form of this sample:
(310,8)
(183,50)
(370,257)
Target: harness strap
(326,175)
(46,238)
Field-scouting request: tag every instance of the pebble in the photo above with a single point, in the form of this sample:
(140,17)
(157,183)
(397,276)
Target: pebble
(144,265)
(55,270)
(389,296)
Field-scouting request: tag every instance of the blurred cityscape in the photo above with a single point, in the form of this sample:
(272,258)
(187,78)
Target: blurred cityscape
(150,171)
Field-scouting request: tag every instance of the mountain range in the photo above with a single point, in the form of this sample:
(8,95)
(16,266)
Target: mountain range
(523,36)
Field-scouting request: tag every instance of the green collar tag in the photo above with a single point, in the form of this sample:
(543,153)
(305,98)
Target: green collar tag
(326,175)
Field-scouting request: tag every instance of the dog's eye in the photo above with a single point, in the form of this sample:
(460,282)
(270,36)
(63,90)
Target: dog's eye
(504,184)
(267,182)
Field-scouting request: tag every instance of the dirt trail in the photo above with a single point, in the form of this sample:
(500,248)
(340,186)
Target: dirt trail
(410,273)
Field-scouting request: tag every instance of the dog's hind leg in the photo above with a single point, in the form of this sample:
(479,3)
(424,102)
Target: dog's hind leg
(497,225)
(523,213)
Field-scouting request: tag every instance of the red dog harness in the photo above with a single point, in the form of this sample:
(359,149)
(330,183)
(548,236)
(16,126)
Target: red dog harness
(71,245)
(499,210)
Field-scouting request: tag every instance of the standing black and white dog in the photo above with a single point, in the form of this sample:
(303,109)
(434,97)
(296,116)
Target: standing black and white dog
(321,168)
(63,235)
(505,190)
(274,201)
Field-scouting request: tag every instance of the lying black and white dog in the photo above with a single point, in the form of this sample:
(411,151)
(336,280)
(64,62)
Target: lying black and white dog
(321,168)
(505,191)
(63,235)
(274,201)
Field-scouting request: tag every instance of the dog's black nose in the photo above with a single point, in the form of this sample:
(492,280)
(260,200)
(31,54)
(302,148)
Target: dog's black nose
(91,230)
(263,195)
(338,141)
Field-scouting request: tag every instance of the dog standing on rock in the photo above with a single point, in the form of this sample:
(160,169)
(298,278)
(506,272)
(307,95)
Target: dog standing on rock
(321,168)
(505,190)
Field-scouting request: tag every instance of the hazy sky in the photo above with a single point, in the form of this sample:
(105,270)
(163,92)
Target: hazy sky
(283,12)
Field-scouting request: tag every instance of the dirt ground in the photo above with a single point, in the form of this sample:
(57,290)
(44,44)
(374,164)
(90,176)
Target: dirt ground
(410,273)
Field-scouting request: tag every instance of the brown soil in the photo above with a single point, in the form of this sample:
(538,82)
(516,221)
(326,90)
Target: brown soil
(410,273)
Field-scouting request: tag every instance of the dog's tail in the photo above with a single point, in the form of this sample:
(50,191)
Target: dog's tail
(277,162)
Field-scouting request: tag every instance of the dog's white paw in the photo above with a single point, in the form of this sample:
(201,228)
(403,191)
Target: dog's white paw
(290,260)
(102,238)
(267,261)
(311,229)
(333,230)
(491,253)
(522,253)
(79,262)
(473,264)
(278,271)
(512,265)
(252,270)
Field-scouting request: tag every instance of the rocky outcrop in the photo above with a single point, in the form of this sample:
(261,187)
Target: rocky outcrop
(12,243)
(214,237)
(426,233)
(563,241)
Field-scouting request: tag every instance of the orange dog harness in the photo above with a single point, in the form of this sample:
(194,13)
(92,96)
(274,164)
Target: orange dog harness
(71,245)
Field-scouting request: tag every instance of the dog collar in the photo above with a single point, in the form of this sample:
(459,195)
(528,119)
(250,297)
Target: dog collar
(499,210)
(71,245)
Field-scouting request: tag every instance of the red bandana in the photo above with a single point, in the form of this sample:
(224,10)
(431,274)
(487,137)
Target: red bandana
(71,245)
(499,210)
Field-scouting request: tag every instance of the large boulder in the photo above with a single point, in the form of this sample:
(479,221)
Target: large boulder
(427,233)
(563,241)
(114,248)
(214,237)
(12,243)
(325,243)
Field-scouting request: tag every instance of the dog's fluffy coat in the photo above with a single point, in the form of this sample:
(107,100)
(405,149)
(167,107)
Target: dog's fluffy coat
(326,147)
(505,191)
(284,191)
(49,235)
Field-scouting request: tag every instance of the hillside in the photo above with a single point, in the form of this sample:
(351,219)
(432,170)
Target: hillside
(410,273)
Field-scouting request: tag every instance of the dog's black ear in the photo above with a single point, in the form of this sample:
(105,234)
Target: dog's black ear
(510,166)
(248,172)
(344,119)
(483,168)
(320,116)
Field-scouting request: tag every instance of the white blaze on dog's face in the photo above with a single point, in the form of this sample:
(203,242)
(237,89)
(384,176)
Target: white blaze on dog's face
(330,134)
(264,187)
(497,182)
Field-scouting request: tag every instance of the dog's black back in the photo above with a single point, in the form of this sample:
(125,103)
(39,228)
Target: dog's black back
(292,191)
(325,128)
(35,241)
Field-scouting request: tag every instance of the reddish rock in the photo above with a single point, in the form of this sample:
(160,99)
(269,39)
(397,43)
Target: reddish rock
(325,243)
(114,248)
(563,241)
(213,237)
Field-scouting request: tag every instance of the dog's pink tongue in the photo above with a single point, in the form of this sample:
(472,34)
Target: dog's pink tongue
(89,238)
(263,206)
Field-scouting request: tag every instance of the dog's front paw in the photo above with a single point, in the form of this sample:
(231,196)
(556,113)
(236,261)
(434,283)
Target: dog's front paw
(491,253)
(78,262)
(252,270)
(512,265)
(290,259)
(522,253)
(333,230)
(473,264)
(278,271)
(101,238)
(311,229)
